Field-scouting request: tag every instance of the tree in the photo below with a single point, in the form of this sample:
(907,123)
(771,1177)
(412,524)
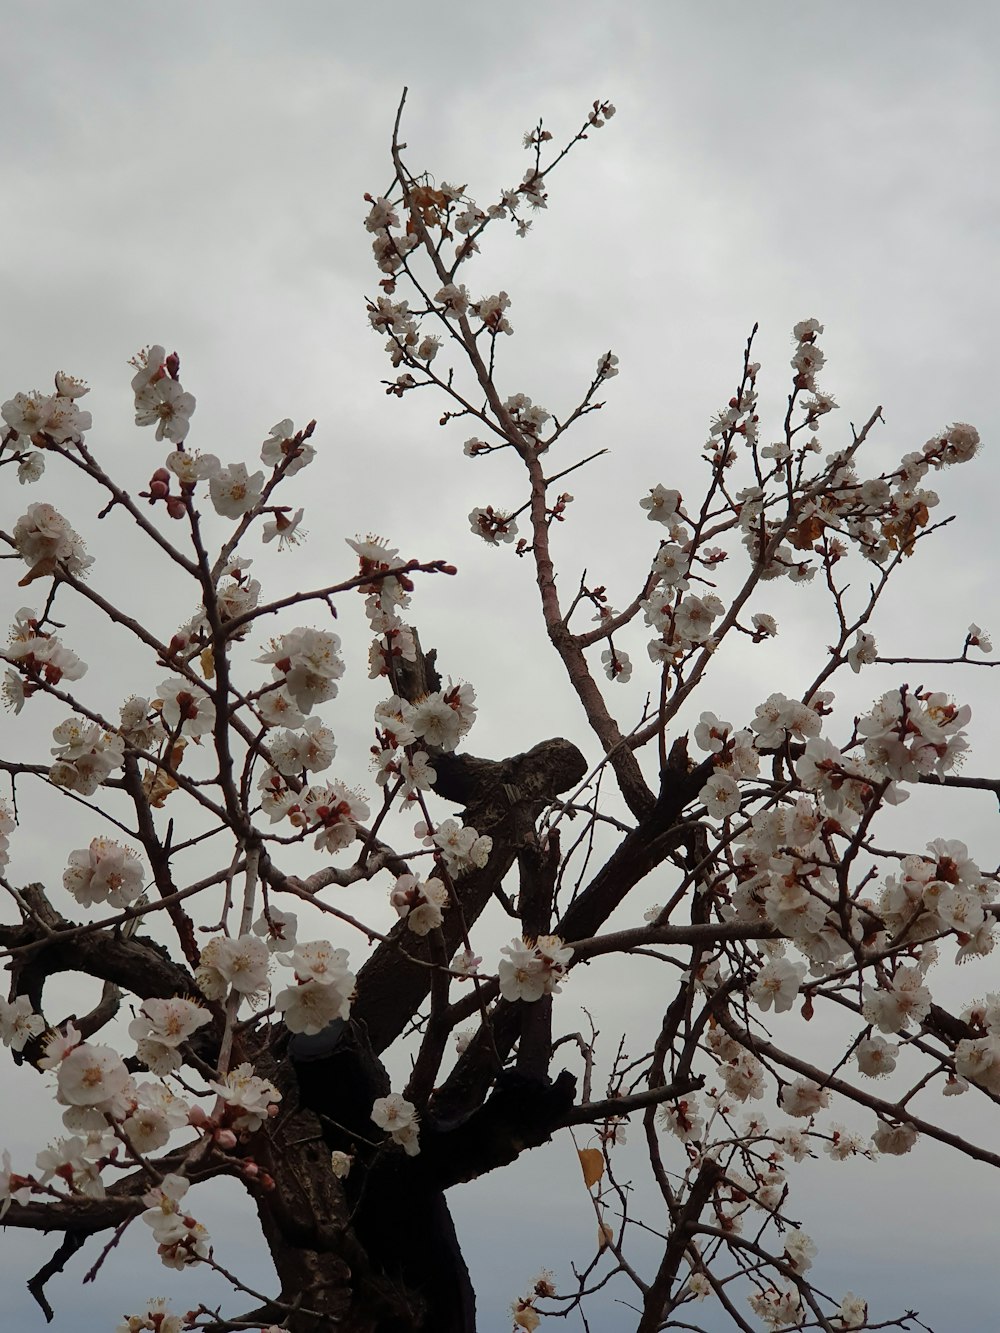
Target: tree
(259,1048)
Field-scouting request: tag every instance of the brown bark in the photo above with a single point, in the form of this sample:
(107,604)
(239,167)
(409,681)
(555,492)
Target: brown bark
(502,798)
(375,1253)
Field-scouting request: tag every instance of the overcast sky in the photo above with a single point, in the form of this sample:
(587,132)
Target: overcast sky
(194,175)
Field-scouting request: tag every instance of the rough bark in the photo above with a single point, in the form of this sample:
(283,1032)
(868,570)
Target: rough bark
(502,798)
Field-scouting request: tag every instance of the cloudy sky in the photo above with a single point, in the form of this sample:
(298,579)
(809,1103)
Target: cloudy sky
(194,175)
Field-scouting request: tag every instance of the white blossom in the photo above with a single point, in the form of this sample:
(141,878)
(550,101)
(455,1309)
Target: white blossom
(399,1118)
(876,1057)
(19,1023)
(165,405)
(894,1140)
(280,448)
(93,1076)
(721,795)
(185,708)
(341,1163)
(46,542)
(250,1097)
(777,984)
(617,665)
(420,903)
(277,929)
(800,1250)
(104,872)
(863,652)
(662,505)
(530,971)
(853,1312)
(243,963)
(234,492)
(978,638)
(803,1097)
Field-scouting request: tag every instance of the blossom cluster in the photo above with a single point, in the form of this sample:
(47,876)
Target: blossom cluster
(531,969)
(45,421)
(420,903)
(160,400)
(249,1099)
(105,1107)
(180,1239)
(786,519)
(47,544)
(755,1158)
(322,991)
(399,1119)
(156,1318)
(161,1027)
(38,656)
(306,665)
(977,1058)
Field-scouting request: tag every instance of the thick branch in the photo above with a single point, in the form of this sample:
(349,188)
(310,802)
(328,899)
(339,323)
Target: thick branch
(133,964)
(639,852)
(503,799)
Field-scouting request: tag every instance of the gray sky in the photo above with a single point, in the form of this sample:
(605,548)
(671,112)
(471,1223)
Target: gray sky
(193,175)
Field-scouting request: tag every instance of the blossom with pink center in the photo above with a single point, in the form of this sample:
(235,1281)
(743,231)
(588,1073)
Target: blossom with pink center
(186,709)
(319,961)
(170,1022)
(421,904)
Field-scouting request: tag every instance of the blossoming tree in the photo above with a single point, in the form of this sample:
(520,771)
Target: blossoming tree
(247,1021)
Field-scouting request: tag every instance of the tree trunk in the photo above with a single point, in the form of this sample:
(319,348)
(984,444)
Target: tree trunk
(375,1253)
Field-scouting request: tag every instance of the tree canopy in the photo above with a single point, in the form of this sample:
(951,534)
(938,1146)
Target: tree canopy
(349,1066)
